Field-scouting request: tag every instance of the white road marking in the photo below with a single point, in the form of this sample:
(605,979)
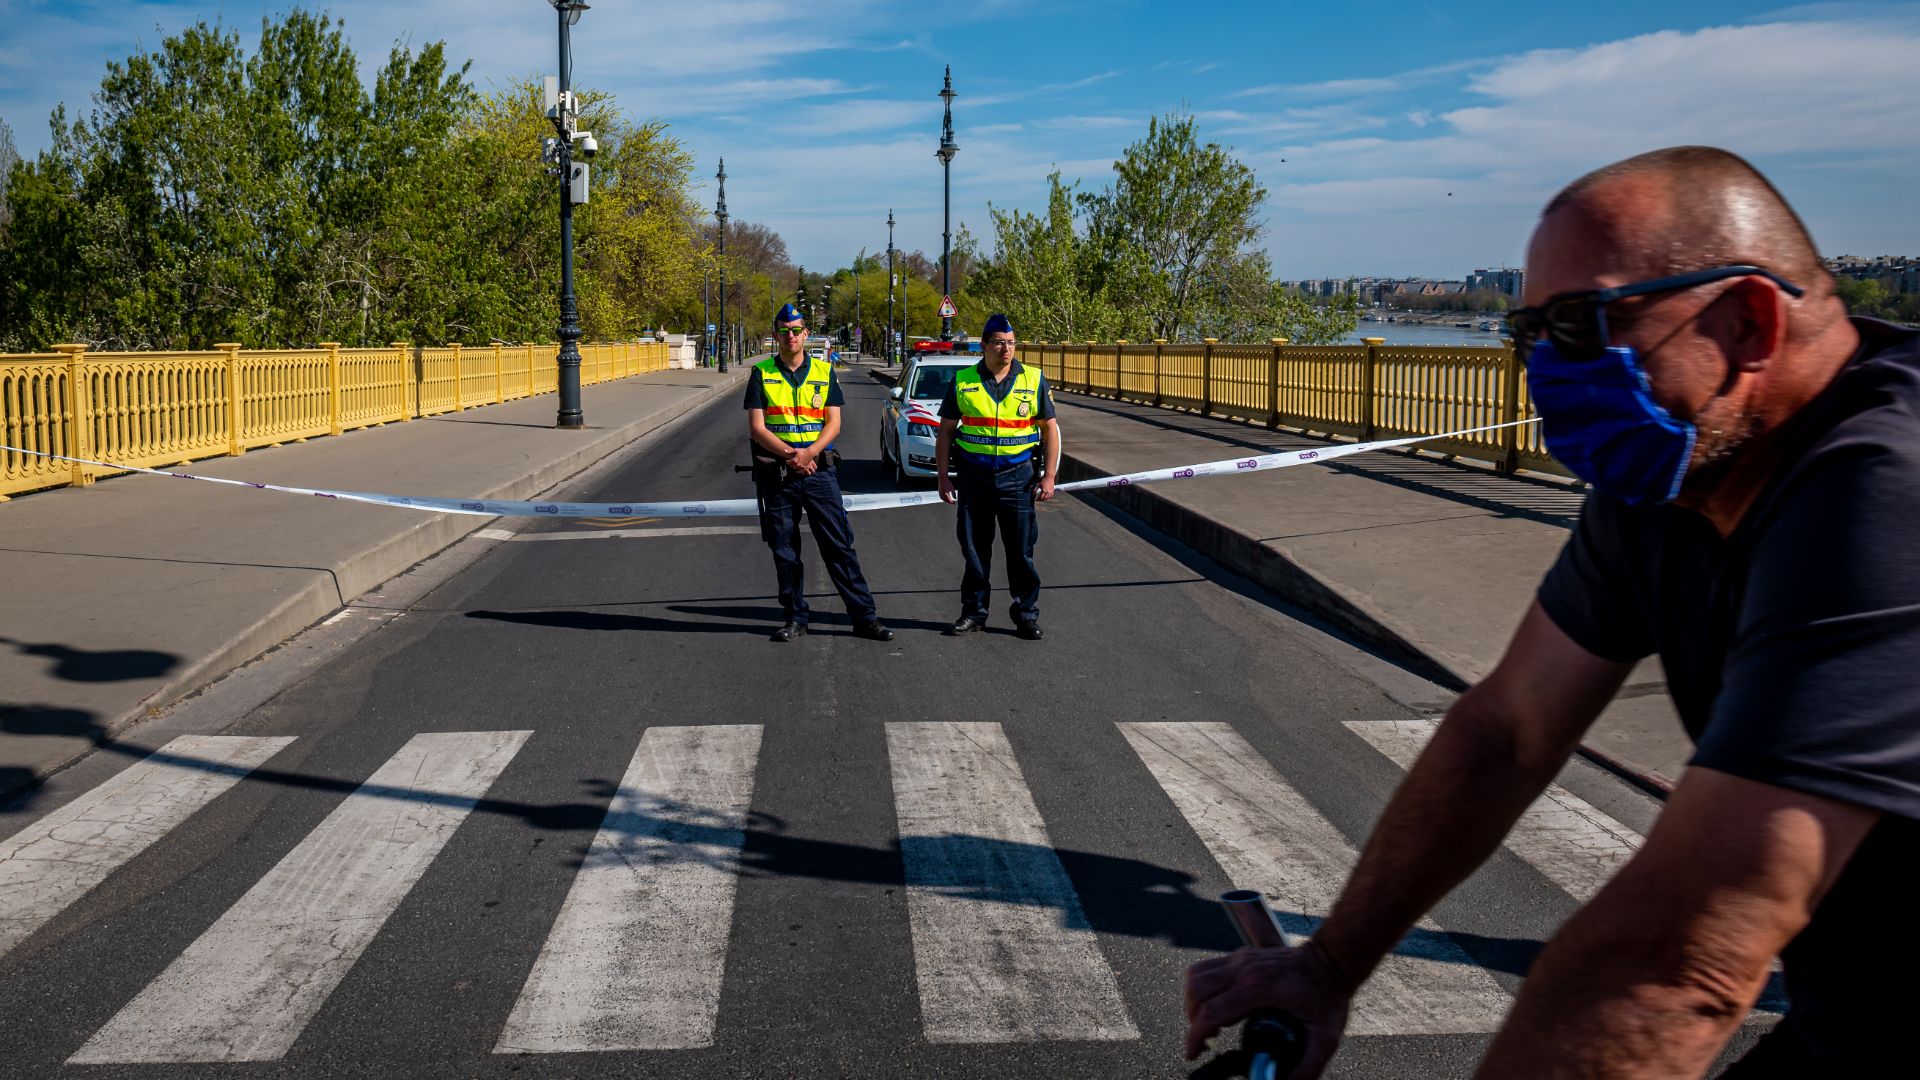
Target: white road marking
(58,859)
(1267,837)
(514,536)
(1563,836)
(1573,843)
(248,986)
(1001,946)
(635,958)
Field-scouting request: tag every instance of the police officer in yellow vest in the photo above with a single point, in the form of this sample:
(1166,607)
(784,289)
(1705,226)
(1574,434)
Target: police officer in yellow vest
(996,417)
(793,414)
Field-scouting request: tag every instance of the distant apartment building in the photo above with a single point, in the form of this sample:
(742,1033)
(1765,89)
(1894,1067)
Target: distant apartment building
(1506,281)
(1899,273)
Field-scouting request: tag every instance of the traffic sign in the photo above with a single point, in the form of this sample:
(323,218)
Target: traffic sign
(711,328)
(947,310)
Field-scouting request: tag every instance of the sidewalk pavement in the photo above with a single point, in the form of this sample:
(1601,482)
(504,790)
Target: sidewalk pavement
(125,596)
(1430,561)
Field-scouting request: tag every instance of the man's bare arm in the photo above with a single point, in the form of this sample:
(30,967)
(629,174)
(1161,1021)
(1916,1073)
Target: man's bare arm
(1651,978)
(763,438)
(943,449)
(1500,745)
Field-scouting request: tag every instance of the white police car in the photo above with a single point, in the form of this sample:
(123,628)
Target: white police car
(911,419)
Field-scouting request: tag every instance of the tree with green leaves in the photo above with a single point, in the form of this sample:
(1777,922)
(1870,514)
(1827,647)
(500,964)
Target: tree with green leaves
(9,157)
(273,199)
(1179,225)
(1045,277)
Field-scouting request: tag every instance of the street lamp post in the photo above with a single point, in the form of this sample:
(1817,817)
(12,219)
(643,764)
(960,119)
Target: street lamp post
(568,362)
(945,154)
(706,317)
(720,212)
(893,355)
(856,305)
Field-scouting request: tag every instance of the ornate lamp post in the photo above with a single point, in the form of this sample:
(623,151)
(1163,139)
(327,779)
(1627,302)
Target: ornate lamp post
(891,353)
(720,212)
(945,154)
(568,362)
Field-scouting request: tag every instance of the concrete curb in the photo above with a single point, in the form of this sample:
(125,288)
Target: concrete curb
(1272,570)
(351,577)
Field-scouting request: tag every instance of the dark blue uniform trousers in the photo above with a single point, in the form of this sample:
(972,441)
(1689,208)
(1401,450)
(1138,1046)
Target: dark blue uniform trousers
(1002,498)
(818,496)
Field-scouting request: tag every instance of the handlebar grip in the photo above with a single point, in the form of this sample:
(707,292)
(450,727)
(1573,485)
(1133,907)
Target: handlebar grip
(1268,1033)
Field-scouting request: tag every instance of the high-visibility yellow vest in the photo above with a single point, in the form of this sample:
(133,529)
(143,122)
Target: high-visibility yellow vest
(1003,428)
(796,414)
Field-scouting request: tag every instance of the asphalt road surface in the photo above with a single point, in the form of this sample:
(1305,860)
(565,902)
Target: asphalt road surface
(568,813)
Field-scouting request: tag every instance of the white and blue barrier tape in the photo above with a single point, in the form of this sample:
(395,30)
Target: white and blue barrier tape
(750,507)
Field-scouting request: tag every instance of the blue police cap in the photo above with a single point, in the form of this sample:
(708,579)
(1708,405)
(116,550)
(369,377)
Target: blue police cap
(997,324)
(786,315)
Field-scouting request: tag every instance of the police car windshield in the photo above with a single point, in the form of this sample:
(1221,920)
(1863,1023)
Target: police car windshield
(930,383)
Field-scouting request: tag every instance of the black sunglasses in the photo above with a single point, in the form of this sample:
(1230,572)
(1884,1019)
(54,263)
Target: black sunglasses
(1576,322)
(790,331)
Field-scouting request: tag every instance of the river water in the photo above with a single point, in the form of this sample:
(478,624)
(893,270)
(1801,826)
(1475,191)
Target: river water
(1413,334)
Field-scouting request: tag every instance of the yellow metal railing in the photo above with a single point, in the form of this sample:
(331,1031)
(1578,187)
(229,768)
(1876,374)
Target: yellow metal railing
(1367,391)
(151,409)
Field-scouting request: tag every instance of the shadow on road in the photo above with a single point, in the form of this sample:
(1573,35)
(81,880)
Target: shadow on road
(86,665)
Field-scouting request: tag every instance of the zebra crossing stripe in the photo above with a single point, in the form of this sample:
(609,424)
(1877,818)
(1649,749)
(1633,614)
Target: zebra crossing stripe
(51,863)
(1267,837)
(1573,843)
(635,958)
(1001,947)
(1563,836)
(248,986)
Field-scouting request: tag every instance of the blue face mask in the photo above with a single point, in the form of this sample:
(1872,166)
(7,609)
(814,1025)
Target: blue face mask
(1602,423)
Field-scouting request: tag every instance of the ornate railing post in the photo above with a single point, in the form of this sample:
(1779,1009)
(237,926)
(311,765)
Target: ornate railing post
(234,389)
(1159,343)
(1273,383)
(1369,381)
(1509,411)
(333,385)
(79,411)
(1206,376)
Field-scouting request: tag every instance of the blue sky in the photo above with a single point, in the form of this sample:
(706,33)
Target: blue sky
(1407,138)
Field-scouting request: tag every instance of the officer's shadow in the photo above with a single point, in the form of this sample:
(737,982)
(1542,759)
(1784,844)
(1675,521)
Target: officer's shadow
(759,621)
(815,619)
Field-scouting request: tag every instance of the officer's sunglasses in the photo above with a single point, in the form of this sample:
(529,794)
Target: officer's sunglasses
(1576,322)
(789,331)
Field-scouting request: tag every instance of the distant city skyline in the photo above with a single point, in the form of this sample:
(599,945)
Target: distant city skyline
(1416,140)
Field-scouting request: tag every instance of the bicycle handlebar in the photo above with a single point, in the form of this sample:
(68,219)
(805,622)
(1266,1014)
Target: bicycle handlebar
(1271,1042)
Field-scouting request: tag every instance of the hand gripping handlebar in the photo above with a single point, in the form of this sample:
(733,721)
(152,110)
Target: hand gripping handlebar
(1271,1042)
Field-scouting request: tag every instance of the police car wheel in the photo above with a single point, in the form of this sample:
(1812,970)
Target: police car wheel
(900,477)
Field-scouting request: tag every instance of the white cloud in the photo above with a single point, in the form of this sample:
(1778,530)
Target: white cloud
(1798,98)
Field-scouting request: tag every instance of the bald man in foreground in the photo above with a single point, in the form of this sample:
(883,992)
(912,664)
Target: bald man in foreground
(1755,459)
